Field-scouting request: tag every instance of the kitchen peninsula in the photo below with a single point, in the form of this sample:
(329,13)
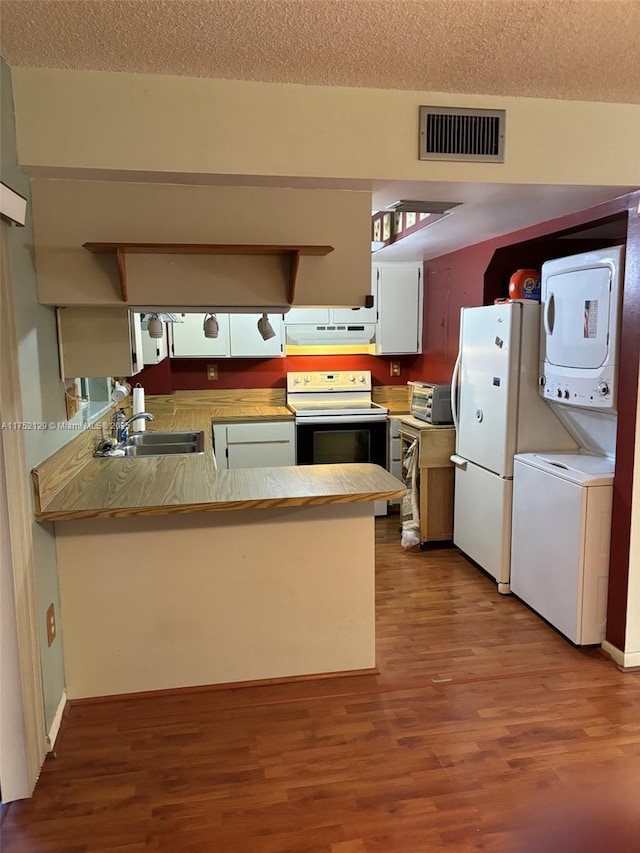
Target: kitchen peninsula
(175,574)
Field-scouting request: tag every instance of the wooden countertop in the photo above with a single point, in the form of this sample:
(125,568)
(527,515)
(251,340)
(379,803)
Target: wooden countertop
(409,420)
(229,414)
(103,487)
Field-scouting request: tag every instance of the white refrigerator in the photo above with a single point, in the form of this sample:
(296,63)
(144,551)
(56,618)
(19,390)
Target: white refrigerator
(498,412)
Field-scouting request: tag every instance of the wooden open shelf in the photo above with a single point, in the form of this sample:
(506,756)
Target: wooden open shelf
(293,253)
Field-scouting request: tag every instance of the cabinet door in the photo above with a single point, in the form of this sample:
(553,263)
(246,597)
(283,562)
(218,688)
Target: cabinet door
(154,349)
(246,340)
(256,444)
(99,342)
(307,316)
(399,299)
(188,340)
(354,315)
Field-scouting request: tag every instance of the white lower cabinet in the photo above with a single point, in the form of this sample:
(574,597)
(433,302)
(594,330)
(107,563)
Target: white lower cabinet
(255,444)
(395,452)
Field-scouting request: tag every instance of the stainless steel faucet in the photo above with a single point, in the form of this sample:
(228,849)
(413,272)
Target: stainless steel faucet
(121,424)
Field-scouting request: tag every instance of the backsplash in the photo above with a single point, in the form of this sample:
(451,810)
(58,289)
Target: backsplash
(190,374)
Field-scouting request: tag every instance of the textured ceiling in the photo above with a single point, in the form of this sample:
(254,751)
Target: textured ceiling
(567,49)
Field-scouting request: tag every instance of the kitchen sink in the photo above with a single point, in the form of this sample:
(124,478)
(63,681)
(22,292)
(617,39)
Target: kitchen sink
(164,443)
(143,439)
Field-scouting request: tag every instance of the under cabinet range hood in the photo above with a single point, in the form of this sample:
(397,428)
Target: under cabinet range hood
(341,334)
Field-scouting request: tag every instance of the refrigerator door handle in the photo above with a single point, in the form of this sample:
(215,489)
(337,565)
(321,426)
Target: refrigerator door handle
(459,461)
(549,317)
(454,391)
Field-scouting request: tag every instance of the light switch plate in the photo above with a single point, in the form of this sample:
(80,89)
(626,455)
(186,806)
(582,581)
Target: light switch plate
(51,624)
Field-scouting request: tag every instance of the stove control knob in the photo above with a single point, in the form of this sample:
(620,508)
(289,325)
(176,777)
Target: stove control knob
(296,380)
(361,379)
(307,379)
(352,378)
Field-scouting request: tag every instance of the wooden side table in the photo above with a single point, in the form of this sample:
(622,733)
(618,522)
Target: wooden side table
(436,444)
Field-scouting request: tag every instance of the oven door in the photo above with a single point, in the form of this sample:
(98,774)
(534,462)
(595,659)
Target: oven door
(341,440)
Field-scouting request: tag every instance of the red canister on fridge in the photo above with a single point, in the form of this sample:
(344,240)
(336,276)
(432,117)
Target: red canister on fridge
(525,284)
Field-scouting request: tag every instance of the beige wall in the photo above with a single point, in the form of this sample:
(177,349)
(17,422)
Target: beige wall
(70,213)
(42,395)
(212,598)
(151,123)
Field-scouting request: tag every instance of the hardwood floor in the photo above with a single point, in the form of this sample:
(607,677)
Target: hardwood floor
(485,730)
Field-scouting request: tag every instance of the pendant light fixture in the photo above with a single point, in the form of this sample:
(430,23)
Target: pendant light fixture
(265,328)
(155,326)
(210,326)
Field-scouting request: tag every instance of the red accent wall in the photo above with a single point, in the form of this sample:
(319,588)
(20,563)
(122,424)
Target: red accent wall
(190,374)
(626,439)
(478,274)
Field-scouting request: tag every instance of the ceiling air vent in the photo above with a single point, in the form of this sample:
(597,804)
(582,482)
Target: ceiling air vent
(455,133)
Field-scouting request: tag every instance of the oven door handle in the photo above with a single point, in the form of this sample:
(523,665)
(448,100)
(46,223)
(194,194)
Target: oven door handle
(346,421)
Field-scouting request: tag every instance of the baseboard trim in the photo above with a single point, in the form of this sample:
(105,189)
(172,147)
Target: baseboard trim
(627,661)
(56,722)
(229,685)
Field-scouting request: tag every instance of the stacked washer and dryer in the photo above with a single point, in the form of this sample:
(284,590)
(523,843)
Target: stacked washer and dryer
(562,502)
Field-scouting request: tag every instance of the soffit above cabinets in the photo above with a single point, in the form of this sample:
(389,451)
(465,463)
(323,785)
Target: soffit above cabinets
(291,253)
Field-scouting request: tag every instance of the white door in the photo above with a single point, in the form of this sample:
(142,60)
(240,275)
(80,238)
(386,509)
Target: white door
(246,340)
(482,519)
(577,312)
(154,350)
(188,340)
(488,386)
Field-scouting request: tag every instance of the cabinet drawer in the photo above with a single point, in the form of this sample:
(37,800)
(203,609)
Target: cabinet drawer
(260,432)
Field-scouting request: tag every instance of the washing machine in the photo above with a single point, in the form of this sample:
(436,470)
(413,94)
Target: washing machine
(561,530)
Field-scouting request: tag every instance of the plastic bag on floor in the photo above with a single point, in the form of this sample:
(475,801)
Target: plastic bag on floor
(410,502)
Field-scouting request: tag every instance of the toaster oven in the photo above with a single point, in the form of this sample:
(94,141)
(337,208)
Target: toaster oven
(431,403)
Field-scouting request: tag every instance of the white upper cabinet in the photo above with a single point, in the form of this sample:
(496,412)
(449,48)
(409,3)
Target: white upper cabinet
(238,337)
(188,340)
(154,350)
(302,316)
(99,342)
(330,316)
(351,316)
(246,340)
(398,289)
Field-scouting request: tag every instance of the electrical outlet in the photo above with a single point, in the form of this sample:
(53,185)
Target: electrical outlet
(394,368)
(51,624)
(212,371)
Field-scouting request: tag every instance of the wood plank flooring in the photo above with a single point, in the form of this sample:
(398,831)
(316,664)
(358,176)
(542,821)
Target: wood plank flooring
(485,730)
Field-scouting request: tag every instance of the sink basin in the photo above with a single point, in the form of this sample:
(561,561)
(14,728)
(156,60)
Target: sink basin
(160,449)
(139,439)
(164,443)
